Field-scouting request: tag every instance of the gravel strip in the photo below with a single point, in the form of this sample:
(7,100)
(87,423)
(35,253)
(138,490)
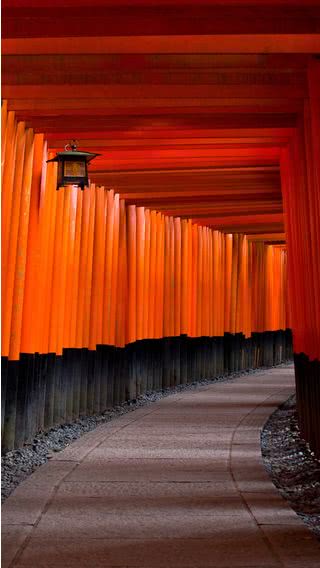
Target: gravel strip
(291,464)
(18,464)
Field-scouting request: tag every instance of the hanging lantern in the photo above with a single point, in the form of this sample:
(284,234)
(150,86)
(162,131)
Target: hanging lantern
(73,166)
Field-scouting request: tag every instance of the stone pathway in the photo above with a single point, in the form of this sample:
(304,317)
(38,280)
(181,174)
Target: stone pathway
(177,484)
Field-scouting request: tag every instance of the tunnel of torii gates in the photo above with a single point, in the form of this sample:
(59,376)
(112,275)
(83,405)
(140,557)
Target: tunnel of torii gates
(195,250)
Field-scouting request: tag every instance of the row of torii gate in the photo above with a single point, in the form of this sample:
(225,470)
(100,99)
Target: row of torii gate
(198,239)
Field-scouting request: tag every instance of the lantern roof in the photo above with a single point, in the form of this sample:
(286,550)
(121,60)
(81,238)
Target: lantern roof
(73,155)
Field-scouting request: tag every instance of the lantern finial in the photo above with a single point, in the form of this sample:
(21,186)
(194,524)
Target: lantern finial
(73,144)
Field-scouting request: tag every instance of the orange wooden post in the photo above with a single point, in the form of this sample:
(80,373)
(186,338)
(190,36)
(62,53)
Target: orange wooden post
(98,269)
(256,274)
(193,330)
(275,289)
(239,300)
(162,279)
(234,282)
(4,131)
(76,282)
(159,277)
(184,276)
(146,279)
(88,301)
(222,283)
(83,252)
(172,280)
(228,280)
(204,316)
(47,258)
(166,308)
(268,299)
(220,306)
(248,292)
(6,195)
(63,275)
(104,252)
(44,232)
(10,253)
(114,270)
(210,284)
(71,267)
(152,279)
(177,276)
(190,276)
(105,298)
(122,295)
(29,338)
(215,283)
(199,283)
(140,270)
(21,253)
(132,273)
(57,198)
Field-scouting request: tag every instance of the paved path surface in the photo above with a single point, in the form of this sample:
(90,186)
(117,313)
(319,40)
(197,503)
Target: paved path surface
(179,483)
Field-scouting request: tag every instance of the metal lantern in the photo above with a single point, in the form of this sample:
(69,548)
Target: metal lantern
(73,166)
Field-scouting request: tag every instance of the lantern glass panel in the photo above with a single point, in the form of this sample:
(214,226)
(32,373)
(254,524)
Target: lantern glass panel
(74,169)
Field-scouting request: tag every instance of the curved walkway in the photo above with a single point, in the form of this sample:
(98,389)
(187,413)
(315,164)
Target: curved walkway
(176,484)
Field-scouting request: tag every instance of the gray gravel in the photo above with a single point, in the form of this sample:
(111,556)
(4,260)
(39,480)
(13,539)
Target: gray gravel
(292,465)
(18,464)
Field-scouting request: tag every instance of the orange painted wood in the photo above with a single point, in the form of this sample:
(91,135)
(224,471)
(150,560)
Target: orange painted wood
(210,283)
(70,266)
(76,282)
(107,298)
(29,338)
(177,276)
(146,278)
(184,276)
(96,270)
(9,156)
(122,290)
(152,280)
(140,270)
(57,198)
(166,308)
(160,298)
(63,267)
(83,253)
(89,270)
(114,271)
(22,243)
(132,273)
(10,254)
(159,277)
(4,131)
(228,281)
(172,287)
(200,283)
(47,261)
(194,282)
(295,43)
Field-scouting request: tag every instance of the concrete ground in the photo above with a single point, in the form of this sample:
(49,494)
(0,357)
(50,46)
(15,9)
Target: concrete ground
(176,484)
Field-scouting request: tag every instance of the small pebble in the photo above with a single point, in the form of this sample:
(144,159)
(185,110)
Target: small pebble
(290,462)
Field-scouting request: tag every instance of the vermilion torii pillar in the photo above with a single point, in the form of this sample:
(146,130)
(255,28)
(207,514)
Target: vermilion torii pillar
(300,169)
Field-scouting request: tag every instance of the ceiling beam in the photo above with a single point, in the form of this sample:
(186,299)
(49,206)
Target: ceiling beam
(243,43)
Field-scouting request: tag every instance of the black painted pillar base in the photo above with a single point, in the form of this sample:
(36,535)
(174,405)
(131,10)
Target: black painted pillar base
(43,391)
(308,399)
